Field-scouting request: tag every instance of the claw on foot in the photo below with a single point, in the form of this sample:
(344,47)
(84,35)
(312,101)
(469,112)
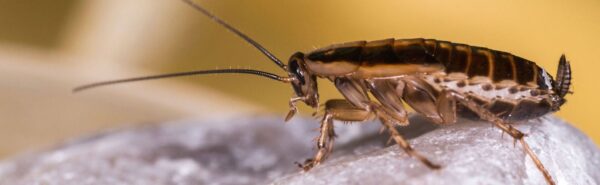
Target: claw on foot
(432,165)
(290,114)
(307,165)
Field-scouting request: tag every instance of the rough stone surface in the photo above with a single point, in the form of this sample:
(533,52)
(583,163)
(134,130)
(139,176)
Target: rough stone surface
(262,150)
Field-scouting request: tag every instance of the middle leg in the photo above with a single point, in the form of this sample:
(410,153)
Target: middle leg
(402,143)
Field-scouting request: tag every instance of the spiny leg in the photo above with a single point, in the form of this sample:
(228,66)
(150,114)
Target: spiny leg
(342,110)
(324,144)
(404,144)
(337,109)
(418,95)
(516,134)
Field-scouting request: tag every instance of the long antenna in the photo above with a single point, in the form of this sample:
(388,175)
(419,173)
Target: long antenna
(237,32)
(216,71)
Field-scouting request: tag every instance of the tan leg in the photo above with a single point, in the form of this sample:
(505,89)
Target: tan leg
(344,111)
(419,95)
(403,144)
(293,108)
(334,110)
(516,134)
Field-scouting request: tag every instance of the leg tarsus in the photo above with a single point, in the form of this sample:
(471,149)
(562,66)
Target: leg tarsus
(404,145)
(293,108)
(537,161)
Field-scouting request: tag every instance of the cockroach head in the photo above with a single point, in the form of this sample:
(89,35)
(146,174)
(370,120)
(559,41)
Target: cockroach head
(562,83)
(303,81)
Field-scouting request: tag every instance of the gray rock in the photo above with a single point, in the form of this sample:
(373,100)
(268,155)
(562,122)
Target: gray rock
(262,150)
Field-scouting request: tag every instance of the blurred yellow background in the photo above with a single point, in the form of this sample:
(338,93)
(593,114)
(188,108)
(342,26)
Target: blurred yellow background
(84,41)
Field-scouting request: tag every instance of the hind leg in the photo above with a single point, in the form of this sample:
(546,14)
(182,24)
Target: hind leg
(516,134)
(419,95)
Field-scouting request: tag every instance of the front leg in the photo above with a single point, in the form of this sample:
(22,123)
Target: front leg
(336,109)
(293,108)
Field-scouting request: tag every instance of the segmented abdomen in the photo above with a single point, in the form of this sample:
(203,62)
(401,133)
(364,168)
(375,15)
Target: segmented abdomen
(496,65)
(456,58)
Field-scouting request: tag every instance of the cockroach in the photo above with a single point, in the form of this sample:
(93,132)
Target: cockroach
(438,79)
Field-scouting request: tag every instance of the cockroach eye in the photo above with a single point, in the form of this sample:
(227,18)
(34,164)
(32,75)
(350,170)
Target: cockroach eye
(295,69)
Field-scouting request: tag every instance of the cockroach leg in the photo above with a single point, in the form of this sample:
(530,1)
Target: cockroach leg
(293,108)
(446,106)
(537,162)
(404,144)
(324,143)
(337,109)
(516,134)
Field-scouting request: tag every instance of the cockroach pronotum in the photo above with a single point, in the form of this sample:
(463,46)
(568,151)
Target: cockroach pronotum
(438,79)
